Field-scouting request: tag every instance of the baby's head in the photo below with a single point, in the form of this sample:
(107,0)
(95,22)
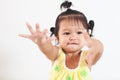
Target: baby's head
(74,17)
(71,28)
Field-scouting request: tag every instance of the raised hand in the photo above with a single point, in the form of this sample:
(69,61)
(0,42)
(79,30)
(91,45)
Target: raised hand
(95,49)
(37,36)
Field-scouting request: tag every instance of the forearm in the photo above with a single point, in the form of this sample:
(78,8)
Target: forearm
(49,50)
(95,51)
(100,48)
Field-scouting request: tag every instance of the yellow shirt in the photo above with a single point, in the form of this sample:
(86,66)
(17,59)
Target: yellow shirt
(61,72)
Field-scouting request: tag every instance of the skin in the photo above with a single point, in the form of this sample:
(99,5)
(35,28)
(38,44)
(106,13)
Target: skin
(71,39)
(71,43)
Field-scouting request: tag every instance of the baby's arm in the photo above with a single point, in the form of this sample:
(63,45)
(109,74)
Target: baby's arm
(48,49)
(43,41)
(95,51)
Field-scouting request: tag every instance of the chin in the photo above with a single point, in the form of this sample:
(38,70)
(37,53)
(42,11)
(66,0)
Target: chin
(73,48)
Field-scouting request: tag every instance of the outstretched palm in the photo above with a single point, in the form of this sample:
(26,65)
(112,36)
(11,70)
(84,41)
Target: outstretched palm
(37,36)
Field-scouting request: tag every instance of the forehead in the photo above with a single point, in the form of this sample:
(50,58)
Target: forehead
(70,24)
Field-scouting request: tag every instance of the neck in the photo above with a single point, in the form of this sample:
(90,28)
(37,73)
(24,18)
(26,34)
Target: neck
(72,53)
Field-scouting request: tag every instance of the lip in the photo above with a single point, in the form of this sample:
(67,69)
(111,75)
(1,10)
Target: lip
(72,43)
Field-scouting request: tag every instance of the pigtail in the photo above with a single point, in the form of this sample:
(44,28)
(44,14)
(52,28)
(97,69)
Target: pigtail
(66,4)
(91,27)
(52,30)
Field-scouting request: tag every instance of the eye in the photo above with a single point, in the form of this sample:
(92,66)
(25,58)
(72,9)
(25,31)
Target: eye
(66,33)
(79,32)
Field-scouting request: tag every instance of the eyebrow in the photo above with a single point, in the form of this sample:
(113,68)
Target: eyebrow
(65,29)
(79,29)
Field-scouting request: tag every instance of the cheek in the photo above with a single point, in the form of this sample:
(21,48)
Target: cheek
(63,40)
(82,40)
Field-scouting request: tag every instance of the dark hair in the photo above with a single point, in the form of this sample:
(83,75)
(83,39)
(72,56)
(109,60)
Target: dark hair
(72,15)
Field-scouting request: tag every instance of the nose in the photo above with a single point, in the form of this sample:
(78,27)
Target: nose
(73,37)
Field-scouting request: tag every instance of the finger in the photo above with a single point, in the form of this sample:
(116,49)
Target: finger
(30,28)
(24,35)
(52,38)
(86,35)
(87,38)
(84,39)
(45,32)
(37,27)
(88,60)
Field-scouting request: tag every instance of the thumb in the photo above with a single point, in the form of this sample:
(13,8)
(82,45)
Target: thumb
(87,38)
(89,62)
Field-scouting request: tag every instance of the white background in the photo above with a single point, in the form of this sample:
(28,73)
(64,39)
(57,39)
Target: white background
(20,59)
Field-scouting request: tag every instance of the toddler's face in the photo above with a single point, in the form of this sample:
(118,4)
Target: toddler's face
(71,36)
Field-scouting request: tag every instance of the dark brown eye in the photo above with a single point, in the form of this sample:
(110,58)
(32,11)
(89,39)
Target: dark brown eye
(79,32)
(66,33)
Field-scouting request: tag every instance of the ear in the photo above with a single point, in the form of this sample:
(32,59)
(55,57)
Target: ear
(57,38)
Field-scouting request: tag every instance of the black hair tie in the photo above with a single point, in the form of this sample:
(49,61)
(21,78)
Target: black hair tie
(91,26)
(52,30)
(66,4)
